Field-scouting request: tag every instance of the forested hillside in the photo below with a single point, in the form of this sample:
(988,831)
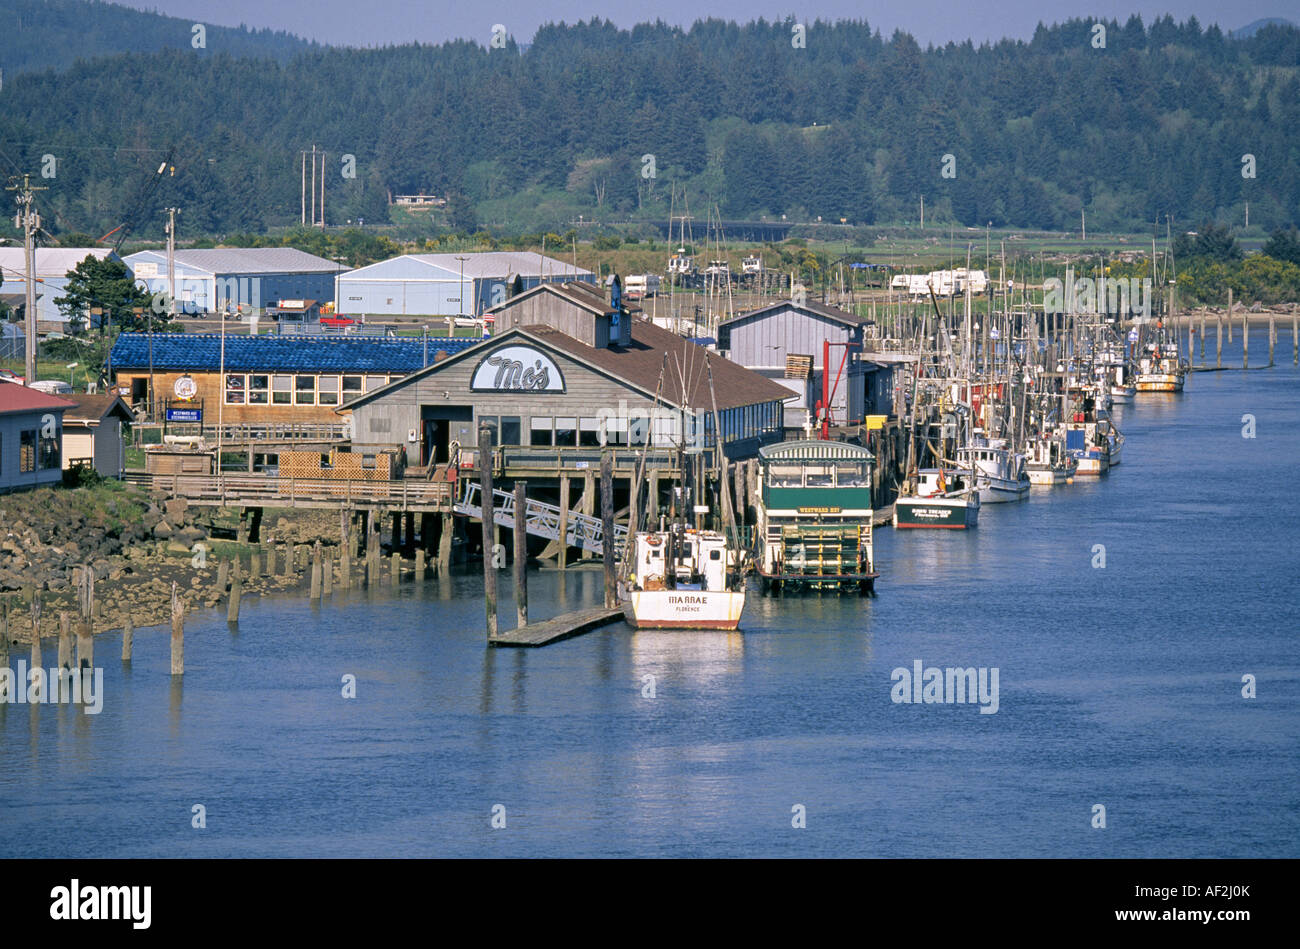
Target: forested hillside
(853,125)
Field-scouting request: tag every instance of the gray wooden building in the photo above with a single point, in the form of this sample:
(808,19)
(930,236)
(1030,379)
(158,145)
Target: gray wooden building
(564,375)
(786,343)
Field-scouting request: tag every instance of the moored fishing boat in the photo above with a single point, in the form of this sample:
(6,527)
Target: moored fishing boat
(682,578)
(1000,474)
(944,498)
(1048,461)
(1161,370)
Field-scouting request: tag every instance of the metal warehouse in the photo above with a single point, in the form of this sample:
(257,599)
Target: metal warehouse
(448,285)
(793,344)
(235,277)
(52,266)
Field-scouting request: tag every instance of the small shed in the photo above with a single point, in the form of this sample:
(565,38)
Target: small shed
(92,433)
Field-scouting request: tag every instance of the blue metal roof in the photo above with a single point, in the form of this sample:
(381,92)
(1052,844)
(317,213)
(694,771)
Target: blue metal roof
(201,352)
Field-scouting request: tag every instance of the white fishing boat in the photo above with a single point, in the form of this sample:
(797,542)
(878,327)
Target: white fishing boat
(1048,461)
(682,578)
(944,498)
(1000,473)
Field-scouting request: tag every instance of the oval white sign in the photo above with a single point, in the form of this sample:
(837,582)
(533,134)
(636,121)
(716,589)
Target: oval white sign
(517,368)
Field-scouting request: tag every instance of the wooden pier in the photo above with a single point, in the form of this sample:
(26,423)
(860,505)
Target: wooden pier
(560,627)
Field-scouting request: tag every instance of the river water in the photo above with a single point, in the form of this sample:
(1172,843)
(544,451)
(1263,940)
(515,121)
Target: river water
(1119,685)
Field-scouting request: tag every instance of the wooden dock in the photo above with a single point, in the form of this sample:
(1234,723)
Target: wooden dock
(560,627)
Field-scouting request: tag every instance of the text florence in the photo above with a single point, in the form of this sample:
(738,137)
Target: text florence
(935,686)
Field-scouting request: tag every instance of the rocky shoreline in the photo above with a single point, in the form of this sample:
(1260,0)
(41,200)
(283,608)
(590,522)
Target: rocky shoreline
(137,545)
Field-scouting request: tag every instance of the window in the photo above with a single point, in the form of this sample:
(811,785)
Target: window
(352,386)
(818,476)
(510,430)
(491,422)
(259,390)
(27,451)
(51,451)
(785,476)
(589,432)
(541,430)
(616,430)
(374,382)
(234,389)
(304,390)
(566,432)
(282,389)
(368,462)
(327,390)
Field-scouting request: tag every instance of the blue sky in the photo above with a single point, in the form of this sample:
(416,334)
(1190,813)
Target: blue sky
(382,22)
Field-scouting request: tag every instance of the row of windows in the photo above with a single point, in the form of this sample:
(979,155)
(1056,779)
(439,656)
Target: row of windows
(570,431)
(35,452)
(273,389)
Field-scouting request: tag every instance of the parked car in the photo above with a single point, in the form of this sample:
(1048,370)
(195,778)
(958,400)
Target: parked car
(337,321)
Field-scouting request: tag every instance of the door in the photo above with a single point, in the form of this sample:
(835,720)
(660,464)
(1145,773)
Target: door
(436,430)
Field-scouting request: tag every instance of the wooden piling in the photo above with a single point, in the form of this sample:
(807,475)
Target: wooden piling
(287,549)
(444,543)
(564,522)
(128,638)
(1229,314)
(85,646)
(1202,338)
(4,648)
(1245,339)
(36,661)
(521,553)
(345,568)
(1218,342)
(327,573)
(607,527)
(489,525)
(1295,341)
(65,640)
(178,632)
(1272,337)
(397,567)
(223,575)
(232,607)
(315,573)
(419,561)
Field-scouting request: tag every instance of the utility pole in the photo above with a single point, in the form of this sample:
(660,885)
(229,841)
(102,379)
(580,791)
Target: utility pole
(322,190)
(28,221)
(302,218)
(171,262)
(313,186)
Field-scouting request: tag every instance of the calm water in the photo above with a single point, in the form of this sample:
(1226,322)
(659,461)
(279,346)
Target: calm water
(1118,686)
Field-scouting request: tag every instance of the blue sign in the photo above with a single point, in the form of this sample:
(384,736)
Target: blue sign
(185,415)
(1133,335)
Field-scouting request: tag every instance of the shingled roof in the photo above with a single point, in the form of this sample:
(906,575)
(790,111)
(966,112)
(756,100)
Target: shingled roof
(686,380)
(201,352)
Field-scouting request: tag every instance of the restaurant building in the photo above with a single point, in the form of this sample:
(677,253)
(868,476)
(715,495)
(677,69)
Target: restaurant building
(565,374)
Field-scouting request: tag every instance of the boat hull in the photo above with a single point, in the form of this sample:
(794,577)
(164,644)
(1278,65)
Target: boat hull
(1160,382)
(1001,491)
(934,513)
(1092,465)
(1047,476)
(683,609)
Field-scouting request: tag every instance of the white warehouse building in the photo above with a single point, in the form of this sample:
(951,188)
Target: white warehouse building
(233,277)
(448,284)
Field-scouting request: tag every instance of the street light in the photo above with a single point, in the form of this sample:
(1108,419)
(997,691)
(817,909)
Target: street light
(461,295)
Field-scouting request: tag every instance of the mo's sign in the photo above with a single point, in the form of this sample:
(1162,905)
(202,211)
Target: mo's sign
(517,369)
